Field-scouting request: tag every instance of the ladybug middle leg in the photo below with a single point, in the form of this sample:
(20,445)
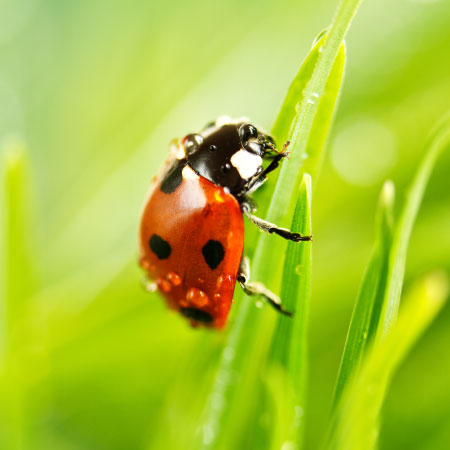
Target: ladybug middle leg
(256,288)
(247,208)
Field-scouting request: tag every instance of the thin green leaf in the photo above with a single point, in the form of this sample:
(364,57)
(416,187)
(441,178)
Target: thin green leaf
(282,129)
(438,141)
(356,425)
(16,284)
(249,337)
(16,272)
(365,318)
(289,346)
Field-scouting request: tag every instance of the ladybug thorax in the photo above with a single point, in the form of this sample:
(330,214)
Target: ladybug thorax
(229,155)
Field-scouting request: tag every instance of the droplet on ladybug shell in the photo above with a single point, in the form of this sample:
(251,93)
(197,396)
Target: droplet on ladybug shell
(163,285)
(174,278)
(197,297)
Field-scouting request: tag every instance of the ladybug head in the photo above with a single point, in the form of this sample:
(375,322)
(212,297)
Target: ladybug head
(229,154)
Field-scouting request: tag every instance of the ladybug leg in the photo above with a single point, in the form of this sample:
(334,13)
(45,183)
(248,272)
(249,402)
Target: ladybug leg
(261,177)
(272,228)
(256,288)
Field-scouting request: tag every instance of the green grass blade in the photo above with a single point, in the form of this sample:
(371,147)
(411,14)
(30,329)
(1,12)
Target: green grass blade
(365,318)
(249,337)
(16,267)
(439,140)
(16,278)
(356,426)
(289,345)
(302,128)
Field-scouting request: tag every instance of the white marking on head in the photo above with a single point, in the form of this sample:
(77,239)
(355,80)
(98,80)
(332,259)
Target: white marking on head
(189,174)
(246,163)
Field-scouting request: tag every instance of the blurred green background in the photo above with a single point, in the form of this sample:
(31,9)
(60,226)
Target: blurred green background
(94,91)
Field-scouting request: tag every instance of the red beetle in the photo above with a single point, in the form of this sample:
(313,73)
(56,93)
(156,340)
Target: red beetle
(192,230)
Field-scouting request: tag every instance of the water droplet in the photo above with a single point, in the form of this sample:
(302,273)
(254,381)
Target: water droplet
(149,286)
(298,269)
(310,96)
(184,303)
(259,304)
(299,411)
(217,401)
(208,434)
(289,445)
(163,285)
(228,354)
(174,278)
(319,36)
(197,297)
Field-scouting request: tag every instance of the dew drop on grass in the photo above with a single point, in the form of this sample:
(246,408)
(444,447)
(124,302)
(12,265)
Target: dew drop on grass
(289,445)
(310,96)
(208,434)
(319,36)
(228,354)
(299,269)
(217,401)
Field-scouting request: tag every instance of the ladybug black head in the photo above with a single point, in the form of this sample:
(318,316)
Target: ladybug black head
(230,155)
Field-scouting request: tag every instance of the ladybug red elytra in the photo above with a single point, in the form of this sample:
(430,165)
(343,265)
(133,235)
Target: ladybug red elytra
(192,230)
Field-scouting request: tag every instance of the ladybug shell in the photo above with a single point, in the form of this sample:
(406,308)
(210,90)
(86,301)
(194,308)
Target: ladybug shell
(191,243)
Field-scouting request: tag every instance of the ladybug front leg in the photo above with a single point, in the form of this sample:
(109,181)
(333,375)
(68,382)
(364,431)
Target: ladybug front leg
(256,288)
(272,228)
(261,177)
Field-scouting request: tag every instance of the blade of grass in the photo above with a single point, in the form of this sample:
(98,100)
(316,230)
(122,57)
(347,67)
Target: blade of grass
(438,141)
(388,299)
(356,424)
(17,278)
(289,346)
(281,130)
(17,282)
(366,314)
(248,339)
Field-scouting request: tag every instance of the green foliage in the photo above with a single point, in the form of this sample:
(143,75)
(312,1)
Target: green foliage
(366,314)
(247,349)
(287,361)
(356,423)
(88,361)
(357,413)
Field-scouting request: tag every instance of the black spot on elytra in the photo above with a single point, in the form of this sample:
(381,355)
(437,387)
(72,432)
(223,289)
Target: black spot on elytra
(213,253)
(173,177)
(160,247)
(196,314)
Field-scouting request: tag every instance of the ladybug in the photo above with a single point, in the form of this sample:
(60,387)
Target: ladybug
(191,233)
